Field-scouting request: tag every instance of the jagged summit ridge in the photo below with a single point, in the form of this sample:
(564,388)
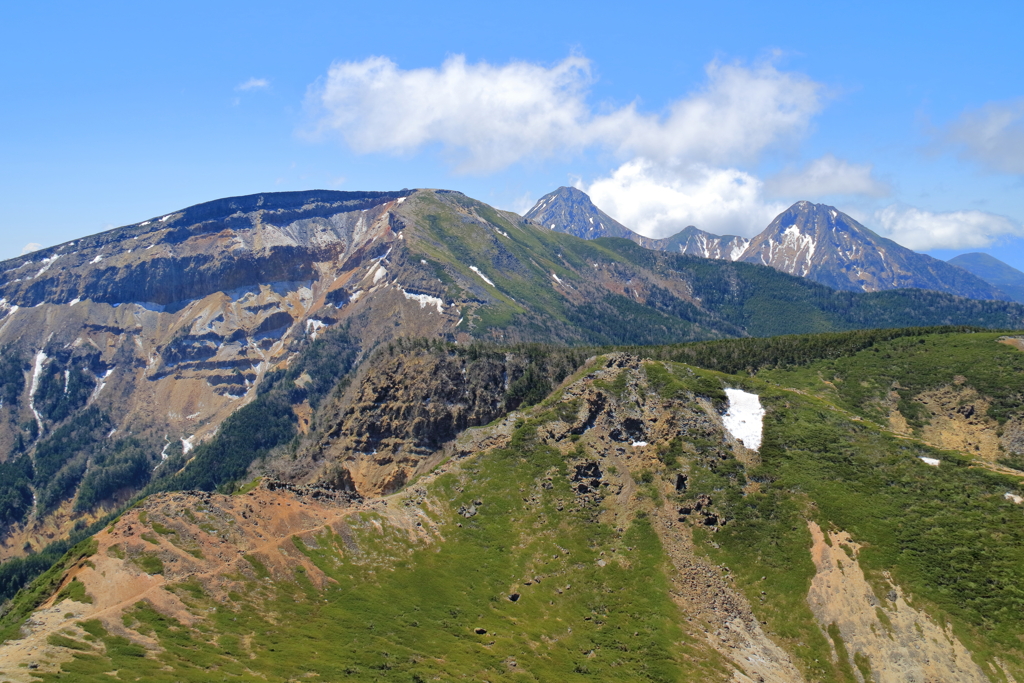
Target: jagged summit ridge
(809,240)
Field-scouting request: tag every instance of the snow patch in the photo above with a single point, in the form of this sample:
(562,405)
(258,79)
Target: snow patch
(37,368)
(379,274)
(738,247)
(745,417)
(186,444)
(930,461)
(144,224)
(99,257)
(638,444)
(316,326)
(482,276)
(557,279)
(401,199)
(164,219)
(47,262)
(101,381)
(425,299)
(1013,498)
(74,301)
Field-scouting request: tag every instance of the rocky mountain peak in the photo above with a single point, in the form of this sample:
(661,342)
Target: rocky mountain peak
(820,242)
(570,210)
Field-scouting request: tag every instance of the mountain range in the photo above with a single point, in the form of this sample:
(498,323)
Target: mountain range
(387,418)
(815,241)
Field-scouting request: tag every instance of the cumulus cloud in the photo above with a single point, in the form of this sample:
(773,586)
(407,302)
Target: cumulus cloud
(740,112)
(992,136)
(488,117)
(924,230)
(30,247)
(824,177)
(657,202)
(253,84)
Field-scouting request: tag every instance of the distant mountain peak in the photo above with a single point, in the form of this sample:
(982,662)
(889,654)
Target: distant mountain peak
(570,210)
(824,244)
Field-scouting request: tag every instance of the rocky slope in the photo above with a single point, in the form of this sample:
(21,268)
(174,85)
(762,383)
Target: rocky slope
(640,522)
(993,271)
(807,240)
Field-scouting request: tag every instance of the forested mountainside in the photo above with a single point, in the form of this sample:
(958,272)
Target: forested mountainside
(848,507)
(814,241)
(124,352)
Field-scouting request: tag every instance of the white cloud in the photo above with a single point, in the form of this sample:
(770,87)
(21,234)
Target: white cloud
(824,177)
(30,247)
(488,117)
(992,136)
(739,113)
(253,84)
(924,230)
(657,202)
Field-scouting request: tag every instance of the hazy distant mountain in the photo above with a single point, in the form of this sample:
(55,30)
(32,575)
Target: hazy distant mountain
(993,271)
(815,241)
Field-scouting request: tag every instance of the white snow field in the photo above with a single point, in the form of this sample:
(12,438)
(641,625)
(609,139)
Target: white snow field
(745,417)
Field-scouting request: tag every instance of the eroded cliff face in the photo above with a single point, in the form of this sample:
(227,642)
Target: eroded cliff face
(166,327)
(883,638)
(406,402)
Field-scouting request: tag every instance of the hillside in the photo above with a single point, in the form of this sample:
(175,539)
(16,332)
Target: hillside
(124,353)
(634,525)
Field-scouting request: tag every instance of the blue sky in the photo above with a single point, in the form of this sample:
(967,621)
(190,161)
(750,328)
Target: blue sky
(908,116)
